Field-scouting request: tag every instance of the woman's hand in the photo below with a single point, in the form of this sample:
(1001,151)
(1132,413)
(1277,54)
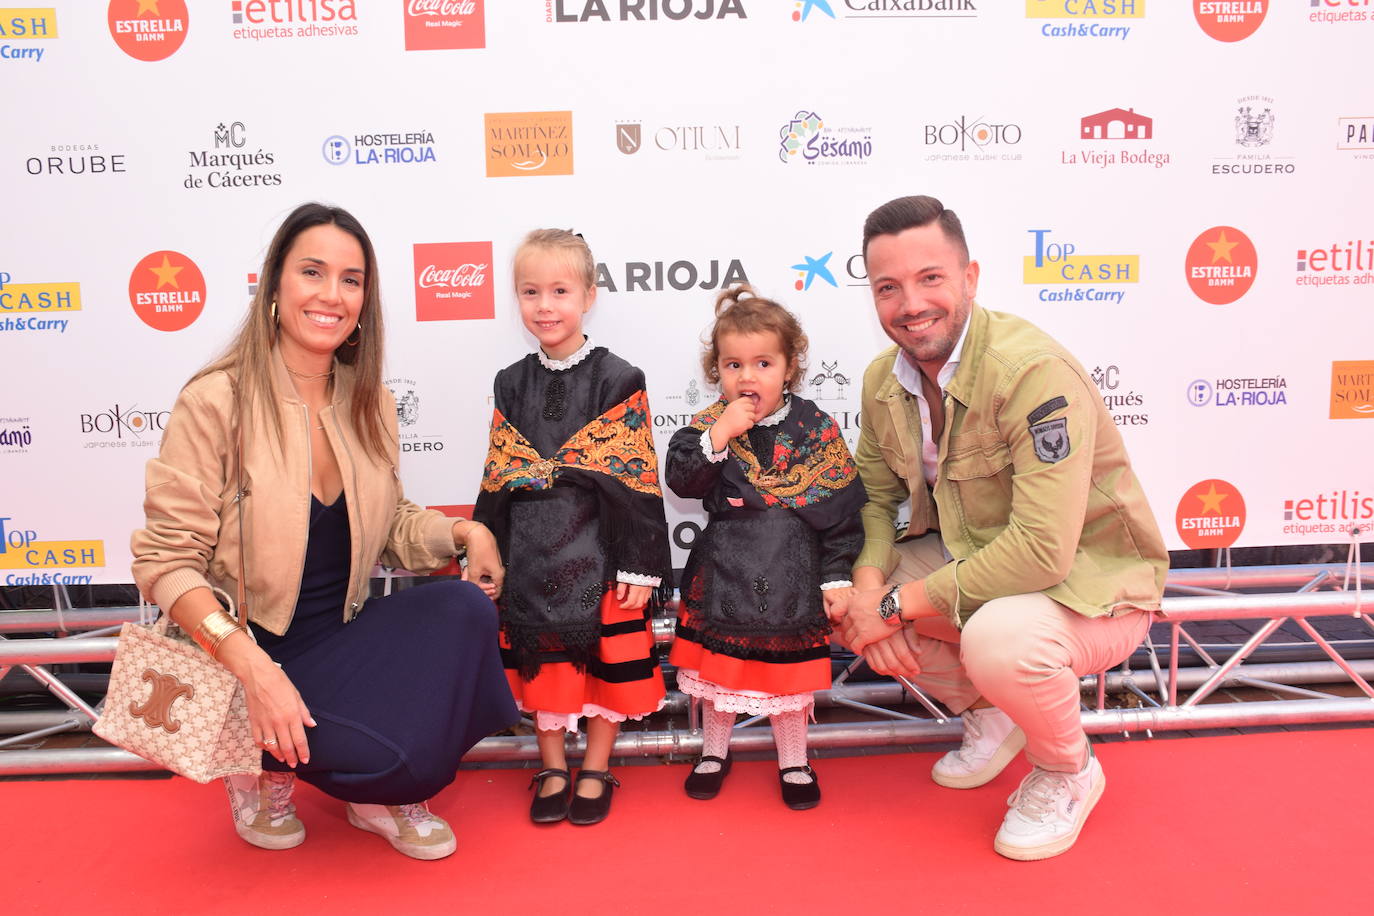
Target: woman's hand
(276,711)
(483,557)
(632,597)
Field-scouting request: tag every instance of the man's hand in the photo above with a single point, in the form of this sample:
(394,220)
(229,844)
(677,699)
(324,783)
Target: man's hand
(861,626)
(893,656)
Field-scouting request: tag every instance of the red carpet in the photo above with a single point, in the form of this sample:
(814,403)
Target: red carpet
(1255,824)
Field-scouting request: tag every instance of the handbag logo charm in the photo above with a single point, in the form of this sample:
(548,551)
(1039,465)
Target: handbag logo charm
(156,711)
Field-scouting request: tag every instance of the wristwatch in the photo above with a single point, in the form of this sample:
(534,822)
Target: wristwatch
(890,607)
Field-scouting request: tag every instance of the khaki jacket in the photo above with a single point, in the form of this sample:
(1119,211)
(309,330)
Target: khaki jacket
(192,533)
(1034,491)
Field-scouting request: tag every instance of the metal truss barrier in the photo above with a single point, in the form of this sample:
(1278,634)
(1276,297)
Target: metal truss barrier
(1154,692)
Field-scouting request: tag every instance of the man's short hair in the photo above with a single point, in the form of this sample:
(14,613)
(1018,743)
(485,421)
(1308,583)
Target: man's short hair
(911,212)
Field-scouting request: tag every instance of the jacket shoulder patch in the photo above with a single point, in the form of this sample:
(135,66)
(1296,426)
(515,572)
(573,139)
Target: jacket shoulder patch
(1047,408)
(1051,440)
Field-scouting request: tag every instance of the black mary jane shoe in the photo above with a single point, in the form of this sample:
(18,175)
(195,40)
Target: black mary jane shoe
(586,811)
(800,795)
(706,786)
(550,809)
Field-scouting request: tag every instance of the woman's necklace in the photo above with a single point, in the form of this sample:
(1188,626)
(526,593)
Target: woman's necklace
(308,378)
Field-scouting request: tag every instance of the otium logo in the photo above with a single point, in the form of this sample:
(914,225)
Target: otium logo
(1230,20)
(26,25)
(1221,265)
(1210,515)
(1097,20)
(37,306)
(442,25)
(453,281)
(148,30)
(812,269)
(167,290)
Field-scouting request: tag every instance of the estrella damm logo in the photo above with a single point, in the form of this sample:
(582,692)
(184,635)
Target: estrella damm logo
(21,550)
(37,306)
(1230,20)
(1056,262)
(1221,265)
(149,29)
(1210,515)
(167,290)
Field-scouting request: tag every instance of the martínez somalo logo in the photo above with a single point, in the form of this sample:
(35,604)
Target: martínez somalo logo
(1095,20)
(807,138)
(1352,389)
(1056,261)
(640,10)
(46,307)
(523,143)
(230,162)
(29,559)
(379,148)
(26,24)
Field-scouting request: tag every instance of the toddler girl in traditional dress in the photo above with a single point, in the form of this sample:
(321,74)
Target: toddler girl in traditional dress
(783,498)
(570,488)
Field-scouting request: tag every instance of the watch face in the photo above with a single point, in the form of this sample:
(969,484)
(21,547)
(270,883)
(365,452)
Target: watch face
(887,607)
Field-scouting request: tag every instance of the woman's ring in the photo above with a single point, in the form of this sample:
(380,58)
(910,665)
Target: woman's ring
(269,741)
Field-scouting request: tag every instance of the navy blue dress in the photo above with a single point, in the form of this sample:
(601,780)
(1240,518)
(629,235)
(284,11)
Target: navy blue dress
(399,694)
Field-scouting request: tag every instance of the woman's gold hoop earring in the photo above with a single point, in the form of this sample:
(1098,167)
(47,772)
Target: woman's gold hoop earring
(356,336)
(275,319)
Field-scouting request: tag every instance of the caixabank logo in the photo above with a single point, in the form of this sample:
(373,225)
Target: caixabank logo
(523,143)
(1253,128)
(1100,142)
(26,25)
(1345,263)
(1352,389)
(29,559)
(272,20)
(167,290)
(1336,511)
(803,10)
(44,307)
(229,161)
(642,10)
(1221,265)
(1210,515)
(1064,275)
(1339,12)
(807,138)
(453,281)
(148,30)
(374,148)
(445,25)
(1087,20)
(1237,392)
(1230,20)
(681,275)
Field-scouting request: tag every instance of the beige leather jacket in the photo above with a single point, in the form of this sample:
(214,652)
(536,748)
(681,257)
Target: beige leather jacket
(192,533)
(1034,491)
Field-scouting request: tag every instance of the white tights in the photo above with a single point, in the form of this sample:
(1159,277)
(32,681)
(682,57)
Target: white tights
(789,734)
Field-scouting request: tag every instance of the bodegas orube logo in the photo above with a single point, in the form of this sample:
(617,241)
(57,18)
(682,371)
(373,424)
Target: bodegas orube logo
(641,10)
(445,25)
(149,29)
(1230,20)
(167,290)
(1210,515)
(1221,265)
(37,306)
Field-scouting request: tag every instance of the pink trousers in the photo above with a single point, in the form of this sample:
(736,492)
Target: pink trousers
(1024,654)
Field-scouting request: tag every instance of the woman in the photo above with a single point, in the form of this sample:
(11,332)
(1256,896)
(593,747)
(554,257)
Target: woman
(372,700)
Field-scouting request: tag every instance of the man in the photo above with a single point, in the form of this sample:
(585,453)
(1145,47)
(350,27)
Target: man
(1045,560)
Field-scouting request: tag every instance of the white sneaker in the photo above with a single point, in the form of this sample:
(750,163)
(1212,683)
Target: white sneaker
(1048,810)
(991,740)
(410,829)
(262,809)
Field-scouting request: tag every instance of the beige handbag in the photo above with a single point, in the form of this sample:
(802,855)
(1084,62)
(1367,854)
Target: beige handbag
(171,703)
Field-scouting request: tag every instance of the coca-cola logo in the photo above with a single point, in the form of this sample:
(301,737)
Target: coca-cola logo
(441,8)
(440,25)
(451,281)
(464,275)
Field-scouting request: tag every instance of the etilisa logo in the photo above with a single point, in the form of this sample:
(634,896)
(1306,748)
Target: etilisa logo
(520,143)
(656,276)
(26,25)
(1356,135)
(445,25)
(414,439)
(453,281)
(231,164)
(1239,392)
(1230,20)
(1127,406)
(379,148)
(802,10)
(1221,265)
(1339,12)
(641,11)
(47,307)
(77,159)
(148,30)
(1111,125)
(828,384)
(269,20)
(1337,511)
(1210,515)
(976,139)
(1253,121)
(1094,20)
(1055,261)
(28,559)
(167,290)
(123,426)
(811,269)
(15,435)
(1347,263)
(712,142)
(1352,389)
(806,138)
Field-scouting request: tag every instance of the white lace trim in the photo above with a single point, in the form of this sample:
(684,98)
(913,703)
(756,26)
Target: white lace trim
(558,365)
(838,583)
(777,416)
(713,456)
(750,702)
(551,721)
(630,578)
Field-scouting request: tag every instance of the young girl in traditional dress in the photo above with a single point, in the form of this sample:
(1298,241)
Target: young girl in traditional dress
(571,490)
(783,497)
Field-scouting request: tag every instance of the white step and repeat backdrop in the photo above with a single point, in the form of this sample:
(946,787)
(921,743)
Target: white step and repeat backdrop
(1179,191)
